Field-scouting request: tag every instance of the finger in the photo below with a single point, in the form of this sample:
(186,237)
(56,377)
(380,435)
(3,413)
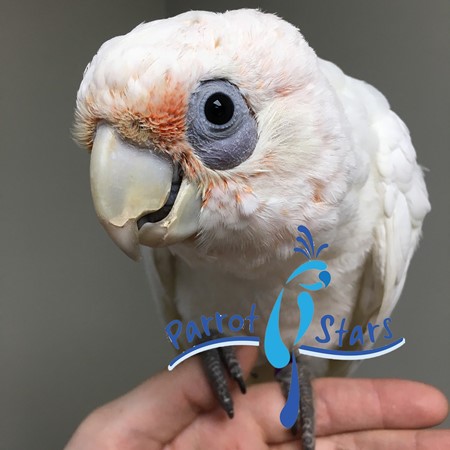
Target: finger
(170,401)
(388,440)
(366,404)
(344,405)
(382,439)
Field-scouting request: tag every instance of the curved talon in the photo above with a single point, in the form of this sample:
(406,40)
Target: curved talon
(240,381)
(305,423)
(230,361)
(216,362)
(212,363)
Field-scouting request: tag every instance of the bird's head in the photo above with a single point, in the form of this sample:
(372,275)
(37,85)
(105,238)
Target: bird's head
(217,130)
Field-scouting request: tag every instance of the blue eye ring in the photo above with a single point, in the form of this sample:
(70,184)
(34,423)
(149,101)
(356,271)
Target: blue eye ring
(221,128)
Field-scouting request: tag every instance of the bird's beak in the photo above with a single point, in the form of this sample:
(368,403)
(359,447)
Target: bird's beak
(138,196)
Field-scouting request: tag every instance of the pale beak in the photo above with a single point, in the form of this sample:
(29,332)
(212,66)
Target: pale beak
(137,194)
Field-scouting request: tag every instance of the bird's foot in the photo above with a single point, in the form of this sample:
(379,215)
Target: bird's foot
(305,420)
(217,362)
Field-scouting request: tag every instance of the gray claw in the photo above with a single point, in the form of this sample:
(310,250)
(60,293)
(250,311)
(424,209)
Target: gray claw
(212,364)
(215,362)
(306,421)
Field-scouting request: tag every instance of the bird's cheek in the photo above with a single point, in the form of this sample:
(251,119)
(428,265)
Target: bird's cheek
(230,206)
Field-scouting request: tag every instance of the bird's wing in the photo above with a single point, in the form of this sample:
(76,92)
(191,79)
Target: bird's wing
(159,266)
(401,189)
(405,204)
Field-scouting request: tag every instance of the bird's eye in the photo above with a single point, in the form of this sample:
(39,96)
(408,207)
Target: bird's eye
(219,108)
(220,126)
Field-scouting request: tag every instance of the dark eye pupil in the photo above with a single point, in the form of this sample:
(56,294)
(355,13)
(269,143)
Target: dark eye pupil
(219,109)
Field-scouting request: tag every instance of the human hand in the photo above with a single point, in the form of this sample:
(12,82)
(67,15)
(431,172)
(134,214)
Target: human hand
(177,410)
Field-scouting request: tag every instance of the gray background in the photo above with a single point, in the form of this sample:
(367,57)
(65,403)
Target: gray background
(77,326)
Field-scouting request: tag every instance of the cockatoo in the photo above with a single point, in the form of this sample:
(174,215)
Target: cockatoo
(213,136)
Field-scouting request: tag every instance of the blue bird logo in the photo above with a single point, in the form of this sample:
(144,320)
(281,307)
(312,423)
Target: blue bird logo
(275,349)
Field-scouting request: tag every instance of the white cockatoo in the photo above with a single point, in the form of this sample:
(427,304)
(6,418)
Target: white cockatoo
(213,136)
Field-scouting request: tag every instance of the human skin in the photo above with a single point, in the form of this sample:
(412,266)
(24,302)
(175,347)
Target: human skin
(177,410)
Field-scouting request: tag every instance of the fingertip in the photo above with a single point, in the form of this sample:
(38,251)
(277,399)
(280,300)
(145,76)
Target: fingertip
(425,405)
(364,404)
(435,403)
